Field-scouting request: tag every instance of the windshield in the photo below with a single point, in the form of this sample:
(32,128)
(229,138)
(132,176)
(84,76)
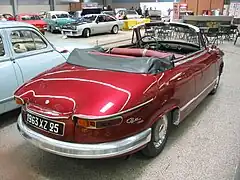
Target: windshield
(62,15)
(30,17)
(87,19)
(168,32)
(111,13)
(131,12)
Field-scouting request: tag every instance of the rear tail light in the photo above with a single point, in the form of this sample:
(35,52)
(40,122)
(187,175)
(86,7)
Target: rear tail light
(99,124)
(19,101)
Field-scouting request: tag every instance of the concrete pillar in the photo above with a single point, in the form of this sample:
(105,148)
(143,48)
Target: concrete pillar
(14,4)
(52,4)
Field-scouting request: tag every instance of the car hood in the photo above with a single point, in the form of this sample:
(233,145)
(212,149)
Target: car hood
(36,22)
(70,89)
(79,23)
(62,21)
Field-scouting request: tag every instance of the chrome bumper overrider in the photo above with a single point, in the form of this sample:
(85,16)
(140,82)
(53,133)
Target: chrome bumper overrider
(85,151)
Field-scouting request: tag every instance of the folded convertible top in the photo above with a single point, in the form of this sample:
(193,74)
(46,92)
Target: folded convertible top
(89,58)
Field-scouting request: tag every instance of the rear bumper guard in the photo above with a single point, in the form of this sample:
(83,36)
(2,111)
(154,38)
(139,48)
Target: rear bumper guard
(84,151)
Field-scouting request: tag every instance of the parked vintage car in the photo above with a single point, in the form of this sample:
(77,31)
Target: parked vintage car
(130,14)
(111,102)
(24,53)
(92,24)
(56,19)
(9,17)
(33,19)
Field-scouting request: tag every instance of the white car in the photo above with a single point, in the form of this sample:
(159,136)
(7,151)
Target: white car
(24,53)
(131,14)
(92,24)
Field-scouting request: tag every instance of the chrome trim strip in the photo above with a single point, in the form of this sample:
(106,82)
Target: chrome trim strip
(7,99)
(196,97)
(190,56)
(4,60)
(86,151)
(32,53)
(82,116)
(46,116)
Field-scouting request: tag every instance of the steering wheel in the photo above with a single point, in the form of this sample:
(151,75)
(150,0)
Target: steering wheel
(147,46)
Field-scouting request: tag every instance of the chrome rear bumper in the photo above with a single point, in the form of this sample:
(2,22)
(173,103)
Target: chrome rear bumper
(85,151)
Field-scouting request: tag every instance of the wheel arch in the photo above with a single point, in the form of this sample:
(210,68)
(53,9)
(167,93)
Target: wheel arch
(221,68)
(172,111)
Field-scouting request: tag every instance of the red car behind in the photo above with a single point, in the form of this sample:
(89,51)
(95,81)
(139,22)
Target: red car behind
(33,19)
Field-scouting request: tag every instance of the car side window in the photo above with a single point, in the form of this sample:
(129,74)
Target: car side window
(26,40)
(101,18)
(53,17)
(109,18)
(2,51)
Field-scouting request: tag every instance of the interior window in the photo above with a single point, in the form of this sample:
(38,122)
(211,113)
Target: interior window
(2,52)
(26,40)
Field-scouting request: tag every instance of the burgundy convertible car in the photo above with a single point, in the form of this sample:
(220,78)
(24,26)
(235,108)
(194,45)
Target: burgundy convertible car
(112,102)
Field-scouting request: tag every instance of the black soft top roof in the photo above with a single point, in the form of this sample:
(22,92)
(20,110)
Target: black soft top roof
(143,65)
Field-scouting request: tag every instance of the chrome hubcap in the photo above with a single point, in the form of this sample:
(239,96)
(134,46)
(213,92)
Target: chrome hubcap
(162,131)
(115,29)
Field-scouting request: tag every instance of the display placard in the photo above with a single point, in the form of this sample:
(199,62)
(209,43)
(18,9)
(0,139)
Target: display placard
(176,11)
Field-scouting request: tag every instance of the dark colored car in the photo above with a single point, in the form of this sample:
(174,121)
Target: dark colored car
(112,102)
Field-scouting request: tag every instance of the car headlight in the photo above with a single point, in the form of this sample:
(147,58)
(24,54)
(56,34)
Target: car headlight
(74,27)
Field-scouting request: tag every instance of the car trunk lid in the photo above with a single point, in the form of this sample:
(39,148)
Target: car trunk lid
(70,89)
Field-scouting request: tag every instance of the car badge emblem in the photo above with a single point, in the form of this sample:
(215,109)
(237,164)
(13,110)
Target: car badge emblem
(47,102)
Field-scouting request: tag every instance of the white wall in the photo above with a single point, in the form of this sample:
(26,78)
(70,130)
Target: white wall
(62,7)
(125,5)
(5,9)
(32,8)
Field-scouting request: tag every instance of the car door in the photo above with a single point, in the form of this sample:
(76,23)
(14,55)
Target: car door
(46,19)
(101,24)
(49,20)
(110,22)
(32,53)
(8,76)
(182,80)
(204,61)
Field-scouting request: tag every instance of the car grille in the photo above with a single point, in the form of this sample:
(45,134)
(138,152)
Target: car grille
(69,27)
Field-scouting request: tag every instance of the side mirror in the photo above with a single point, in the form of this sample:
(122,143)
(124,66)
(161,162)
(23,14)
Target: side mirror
(212,48)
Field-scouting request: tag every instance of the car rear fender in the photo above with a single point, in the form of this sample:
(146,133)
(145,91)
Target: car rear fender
(170,108)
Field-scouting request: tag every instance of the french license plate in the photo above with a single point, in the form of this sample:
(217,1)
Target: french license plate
(47,125)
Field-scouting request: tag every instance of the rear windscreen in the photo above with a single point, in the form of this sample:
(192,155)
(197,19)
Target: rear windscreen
(91,11)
